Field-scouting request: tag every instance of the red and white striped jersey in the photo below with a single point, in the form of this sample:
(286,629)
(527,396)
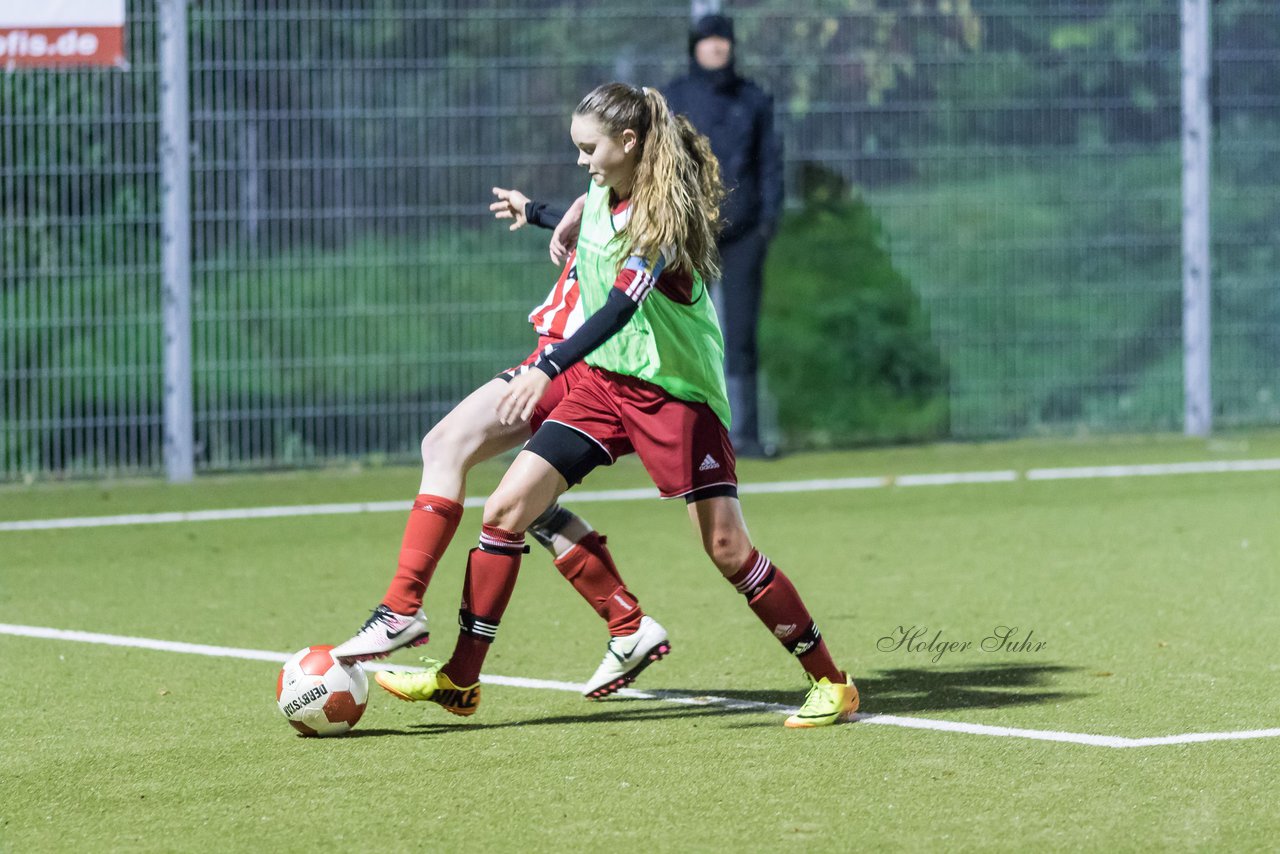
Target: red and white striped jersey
(560,314)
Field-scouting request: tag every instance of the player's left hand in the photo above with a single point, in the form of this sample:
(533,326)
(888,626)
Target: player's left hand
(565,236)
(522,396)
(511,204)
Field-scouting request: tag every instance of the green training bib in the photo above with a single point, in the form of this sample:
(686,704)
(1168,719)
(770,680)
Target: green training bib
(674,346)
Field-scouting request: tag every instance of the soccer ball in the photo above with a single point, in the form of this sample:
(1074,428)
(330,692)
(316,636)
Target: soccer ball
(319,694)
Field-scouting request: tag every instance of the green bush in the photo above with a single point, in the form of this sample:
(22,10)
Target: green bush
(845,341)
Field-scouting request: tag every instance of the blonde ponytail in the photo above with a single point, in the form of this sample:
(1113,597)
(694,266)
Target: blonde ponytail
(675,200)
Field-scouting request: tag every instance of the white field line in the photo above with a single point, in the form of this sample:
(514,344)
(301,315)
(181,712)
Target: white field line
(1155,470)
(820,485)
(665,696)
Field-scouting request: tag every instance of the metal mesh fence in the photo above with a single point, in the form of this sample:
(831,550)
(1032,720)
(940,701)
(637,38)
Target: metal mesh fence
(1246,213)
(348,286)
(1032,196)
(80,362)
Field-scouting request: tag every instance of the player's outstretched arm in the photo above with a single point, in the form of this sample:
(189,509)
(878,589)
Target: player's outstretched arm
(515,205)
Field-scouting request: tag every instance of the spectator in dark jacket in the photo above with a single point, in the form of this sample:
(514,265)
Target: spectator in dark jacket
(737,116)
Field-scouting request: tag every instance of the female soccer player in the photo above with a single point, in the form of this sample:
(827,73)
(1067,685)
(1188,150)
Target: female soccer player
(654,385)
(472,433)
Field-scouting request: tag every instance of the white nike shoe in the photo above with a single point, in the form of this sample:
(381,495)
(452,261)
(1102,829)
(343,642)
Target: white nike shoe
(626,657)
(382,634)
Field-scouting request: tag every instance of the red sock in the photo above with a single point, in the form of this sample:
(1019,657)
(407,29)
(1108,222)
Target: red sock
(491,576)
(589,567)
(774,599)
(432,523)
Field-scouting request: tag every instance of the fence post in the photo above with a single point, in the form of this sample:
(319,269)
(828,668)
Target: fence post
(1196,281)
(175,238)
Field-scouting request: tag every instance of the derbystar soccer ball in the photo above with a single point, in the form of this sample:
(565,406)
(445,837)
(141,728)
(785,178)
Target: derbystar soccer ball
(319,694)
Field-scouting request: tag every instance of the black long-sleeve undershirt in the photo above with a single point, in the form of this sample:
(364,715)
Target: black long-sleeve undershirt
(617,310)
(543,214)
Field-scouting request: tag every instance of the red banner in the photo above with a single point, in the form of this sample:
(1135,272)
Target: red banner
(61,33)
(45,46)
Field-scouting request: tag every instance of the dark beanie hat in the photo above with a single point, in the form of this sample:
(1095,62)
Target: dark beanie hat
(708,26)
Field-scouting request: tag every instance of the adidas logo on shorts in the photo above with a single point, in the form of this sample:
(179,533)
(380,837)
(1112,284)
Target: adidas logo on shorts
(708,464)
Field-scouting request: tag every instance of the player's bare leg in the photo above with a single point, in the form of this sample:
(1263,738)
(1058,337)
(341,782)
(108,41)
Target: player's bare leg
(469,434)
(530,485)
(773,598)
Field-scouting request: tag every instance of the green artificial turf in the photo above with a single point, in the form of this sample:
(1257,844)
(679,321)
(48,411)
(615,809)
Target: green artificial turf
(1154,599)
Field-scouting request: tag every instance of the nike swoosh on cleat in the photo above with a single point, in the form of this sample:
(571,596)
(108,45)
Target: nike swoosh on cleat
(656,653)
(399,632)
(623,658)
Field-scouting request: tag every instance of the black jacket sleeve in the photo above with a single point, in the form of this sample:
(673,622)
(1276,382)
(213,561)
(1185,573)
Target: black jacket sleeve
(597,329)
(543,214)
(771,189)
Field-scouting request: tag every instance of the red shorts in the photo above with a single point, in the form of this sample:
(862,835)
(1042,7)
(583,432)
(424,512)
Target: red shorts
(683,445)
(556,391)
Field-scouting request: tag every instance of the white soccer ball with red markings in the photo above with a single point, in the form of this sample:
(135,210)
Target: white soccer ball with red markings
(319,694)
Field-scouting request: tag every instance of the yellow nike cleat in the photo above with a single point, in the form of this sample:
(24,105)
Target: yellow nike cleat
(827,703)
(431,684)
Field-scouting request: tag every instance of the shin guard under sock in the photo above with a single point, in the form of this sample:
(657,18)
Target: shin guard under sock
(589,567)
(492,569)
(774,599)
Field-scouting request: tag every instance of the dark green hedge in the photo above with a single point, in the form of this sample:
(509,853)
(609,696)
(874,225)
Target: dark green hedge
(844,339)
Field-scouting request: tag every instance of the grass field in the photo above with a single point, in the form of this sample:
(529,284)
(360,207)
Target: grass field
(1155,598)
